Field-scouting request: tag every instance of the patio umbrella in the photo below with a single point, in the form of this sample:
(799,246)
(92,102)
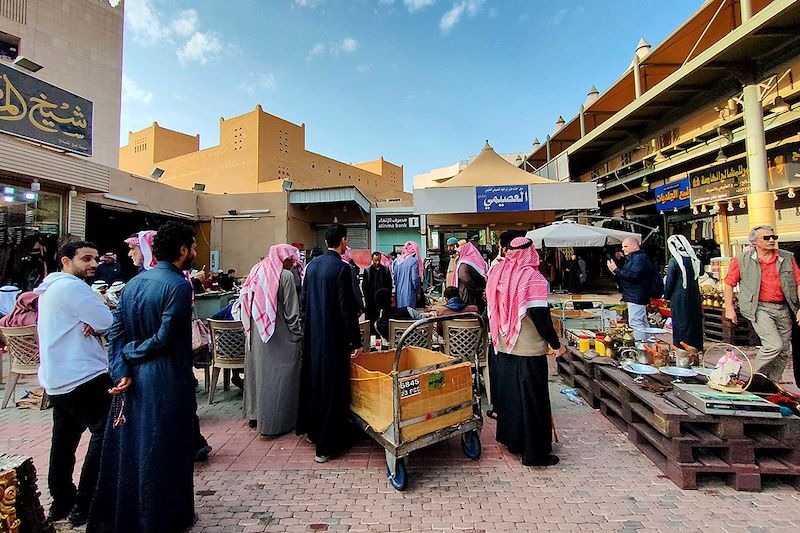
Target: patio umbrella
(567,233)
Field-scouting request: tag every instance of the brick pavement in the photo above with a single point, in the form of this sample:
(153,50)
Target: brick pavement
(603,482)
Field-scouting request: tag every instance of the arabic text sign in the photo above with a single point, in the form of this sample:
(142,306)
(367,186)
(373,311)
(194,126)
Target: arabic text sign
(393,222)
(720,182)
(783,166)
(672,195)
(41,112)
(502,198)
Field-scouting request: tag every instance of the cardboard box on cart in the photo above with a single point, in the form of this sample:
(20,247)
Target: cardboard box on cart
(421,394)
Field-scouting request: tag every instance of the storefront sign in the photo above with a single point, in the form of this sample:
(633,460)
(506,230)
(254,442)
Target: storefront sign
(502,198)
(396,222)
(41,112)
(783,164)
(672,195)
(720,182)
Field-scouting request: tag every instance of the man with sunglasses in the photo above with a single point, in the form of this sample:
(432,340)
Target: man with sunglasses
(768,280)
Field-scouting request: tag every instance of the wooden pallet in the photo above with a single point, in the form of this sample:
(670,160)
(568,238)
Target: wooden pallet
(578,373)
(717,328)
(686,444)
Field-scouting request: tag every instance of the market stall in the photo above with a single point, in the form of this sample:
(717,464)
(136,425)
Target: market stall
(672,409)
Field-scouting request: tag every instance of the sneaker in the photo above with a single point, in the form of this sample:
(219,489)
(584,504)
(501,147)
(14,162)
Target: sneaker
(78,517)
(322,458)
(202,453)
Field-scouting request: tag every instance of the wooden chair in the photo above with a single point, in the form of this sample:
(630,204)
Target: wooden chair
(227,351)
(462,338)
(421,337)
(23,349)
(364,327)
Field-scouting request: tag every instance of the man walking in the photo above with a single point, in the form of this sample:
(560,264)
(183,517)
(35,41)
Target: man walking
(376,277)
(636,278)
(146,473)
(74,372)
(331,336)
(768,280)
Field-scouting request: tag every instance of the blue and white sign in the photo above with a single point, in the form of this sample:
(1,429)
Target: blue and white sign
(672,195)
(502,198)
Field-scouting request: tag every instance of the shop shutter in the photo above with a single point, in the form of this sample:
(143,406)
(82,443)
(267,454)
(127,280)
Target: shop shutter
(358,238)
(76,222)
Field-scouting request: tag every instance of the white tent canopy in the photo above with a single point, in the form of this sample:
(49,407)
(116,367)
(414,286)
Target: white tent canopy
(568,233)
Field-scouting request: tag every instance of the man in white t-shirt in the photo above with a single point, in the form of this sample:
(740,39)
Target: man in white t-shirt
(74,372)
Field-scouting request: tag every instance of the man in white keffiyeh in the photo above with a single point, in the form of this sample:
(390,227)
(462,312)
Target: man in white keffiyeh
(682,290)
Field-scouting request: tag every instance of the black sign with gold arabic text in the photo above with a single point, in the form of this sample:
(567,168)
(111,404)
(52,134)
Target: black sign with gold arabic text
(36,110)
(720,182)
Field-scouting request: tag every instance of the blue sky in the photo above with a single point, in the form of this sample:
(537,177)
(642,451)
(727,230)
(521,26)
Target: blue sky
(421,82)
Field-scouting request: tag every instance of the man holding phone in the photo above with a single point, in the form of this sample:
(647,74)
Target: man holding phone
(768,280)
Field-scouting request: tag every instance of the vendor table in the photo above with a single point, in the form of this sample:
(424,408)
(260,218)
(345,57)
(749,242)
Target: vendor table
(684,443)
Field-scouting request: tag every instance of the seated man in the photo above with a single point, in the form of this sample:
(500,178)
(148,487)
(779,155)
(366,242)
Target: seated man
(454,304)
(387,311)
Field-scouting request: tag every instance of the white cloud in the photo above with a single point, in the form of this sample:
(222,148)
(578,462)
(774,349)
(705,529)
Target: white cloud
(145,22)
(308,3)
(559,16)
(385,2)
(200,48)
(364,68)
(181,32)
(260,82)
(459,9)
(416,5)
(132,92)
(186,23)
(348,45)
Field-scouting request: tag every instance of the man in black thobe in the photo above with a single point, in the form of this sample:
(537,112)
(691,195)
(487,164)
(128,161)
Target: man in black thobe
(376,277)
(332,334)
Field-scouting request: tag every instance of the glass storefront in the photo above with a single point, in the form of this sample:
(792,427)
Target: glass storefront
(30,224)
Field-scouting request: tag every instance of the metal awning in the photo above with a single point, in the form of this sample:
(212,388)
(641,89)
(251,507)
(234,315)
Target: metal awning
(770,37)
(330,195)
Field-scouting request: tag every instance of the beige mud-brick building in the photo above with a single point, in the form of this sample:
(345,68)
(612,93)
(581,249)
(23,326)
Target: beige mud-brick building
(257,152)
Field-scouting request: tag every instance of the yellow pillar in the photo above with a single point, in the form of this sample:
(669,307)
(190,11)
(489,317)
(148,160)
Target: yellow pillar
(761,209)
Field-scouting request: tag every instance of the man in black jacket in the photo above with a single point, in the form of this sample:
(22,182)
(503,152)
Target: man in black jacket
(636,278)
(376,277)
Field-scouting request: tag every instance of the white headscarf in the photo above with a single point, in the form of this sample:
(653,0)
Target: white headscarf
(680,247)
(8,296)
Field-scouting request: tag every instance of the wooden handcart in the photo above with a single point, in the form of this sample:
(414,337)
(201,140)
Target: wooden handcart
(413,397)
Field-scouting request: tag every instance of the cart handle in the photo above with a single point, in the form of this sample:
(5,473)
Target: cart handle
(432,320)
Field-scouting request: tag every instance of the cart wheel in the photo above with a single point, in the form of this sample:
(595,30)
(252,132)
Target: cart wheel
(400,478)
(471,444)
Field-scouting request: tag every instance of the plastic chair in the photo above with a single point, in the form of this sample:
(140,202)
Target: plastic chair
(421,337)
(227,351)
(364,327)
(462,338)
(23,348)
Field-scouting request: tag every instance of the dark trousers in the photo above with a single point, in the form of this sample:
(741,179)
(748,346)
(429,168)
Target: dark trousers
(84,408)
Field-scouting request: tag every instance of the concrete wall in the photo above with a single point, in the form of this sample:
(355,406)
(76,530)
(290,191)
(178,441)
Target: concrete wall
(243,241)
(152,196)
(79,44)
(256,153)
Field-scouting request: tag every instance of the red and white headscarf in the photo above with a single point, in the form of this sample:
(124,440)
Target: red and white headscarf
(411,249)
(144,240)
(347,255)
(385,261)
(469,255)
(260,290)
(514,286)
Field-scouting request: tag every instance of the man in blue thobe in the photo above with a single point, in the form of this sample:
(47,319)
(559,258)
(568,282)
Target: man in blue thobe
(146,471)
